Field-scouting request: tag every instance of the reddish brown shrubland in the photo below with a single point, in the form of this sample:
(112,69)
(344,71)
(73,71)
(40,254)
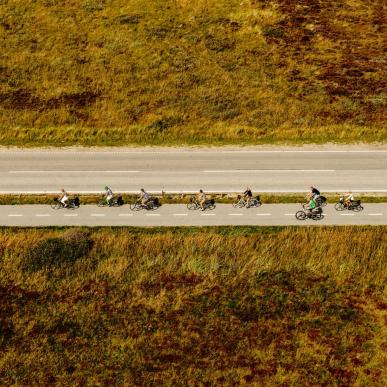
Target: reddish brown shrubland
(174,72)
(225,306)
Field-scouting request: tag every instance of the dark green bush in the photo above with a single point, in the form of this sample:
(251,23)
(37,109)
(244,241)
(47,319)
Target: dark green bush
(57,252)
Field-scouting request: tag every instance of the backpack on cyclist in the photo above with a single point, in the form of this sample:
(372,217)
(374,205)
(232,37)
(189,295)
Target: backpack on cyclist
(156,202)
(76,201)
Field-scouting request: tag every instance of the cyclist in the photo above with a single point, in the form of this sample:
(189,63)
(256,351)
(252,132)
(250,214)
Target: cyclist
(349,199)
(144,197)
(248,196)
(108,195)
(201,198)
(64,197)
(310,207)
(314,193)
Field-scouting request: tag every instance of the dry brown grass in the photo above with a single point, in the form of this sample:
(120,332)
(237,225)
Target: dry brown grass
(186,306)
(179,72)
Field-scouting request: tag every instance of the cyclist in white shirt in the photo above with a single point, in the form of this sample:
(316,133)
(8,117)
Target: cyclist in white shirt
(64,197)
(144,197)
(108,195)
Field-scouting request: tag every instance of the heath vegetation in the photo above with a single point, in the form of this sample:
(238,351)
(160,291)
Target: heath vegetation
(189,72)
(193,306)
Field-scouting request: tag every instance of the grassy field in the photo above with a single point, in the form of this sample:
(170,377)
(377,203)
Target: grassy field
(193,306)
(95,72)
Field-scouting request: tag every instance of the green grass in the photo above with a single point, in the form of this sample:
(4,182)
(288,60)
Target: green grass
(193,306)
(191,72)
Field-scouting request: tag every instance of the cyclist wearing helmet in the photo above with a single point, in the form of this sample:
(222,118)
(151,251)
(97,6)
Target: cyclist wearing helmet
(108,195)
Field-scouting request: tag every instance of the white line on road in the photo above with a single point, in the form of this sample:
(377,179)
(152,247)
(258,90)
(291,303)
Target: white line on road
(263,214)
(267,170)
(289,214)
(235,214)
(180,214)
(97,214)
(41,215)
(14,215)
(152,214)
(207,214)
(347,214)
(73,171)
(379,214)
(125,214)
(70,214)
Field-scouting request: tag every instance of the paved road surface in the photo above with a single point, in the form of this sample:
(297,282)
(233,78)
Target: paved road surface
(179,215)
(182,170)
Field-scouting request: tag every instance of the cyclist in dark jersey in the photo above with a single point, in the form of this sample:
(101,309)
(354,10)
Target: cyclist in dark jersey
(248,195)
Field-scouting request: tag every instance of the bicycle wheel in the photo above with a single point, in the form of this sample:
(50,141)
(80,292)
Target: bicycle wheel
(102,203)
(135,206)
(357,208)
(339,206)
(300,215)
(192,206)
(56,206)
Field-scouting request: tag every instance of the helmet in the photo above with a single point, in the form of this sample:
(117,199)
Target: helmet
(142,189)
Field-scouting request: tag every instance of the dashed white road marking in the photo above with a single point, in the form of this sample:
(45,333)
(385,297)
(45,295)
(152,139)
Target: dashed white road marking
(42,215)
(74,171)
(125,214)
(14,215)
(235,214)
(263,214)
(267,170)
(347,214)
(70,214)
(180,214)
(97,214)
(378,214)
(152,214)
(207,214)
(289,214)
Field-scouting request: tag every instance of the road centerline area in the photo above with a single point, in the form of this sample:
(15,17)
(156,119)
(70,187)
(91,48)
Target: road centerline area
(186,170)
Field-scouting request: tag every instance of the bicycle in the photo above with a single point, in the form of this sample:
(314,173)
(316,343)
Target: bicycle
(114,202)
(355,205)
(314,214)
(241,202)
(195,205)
(151,205)
(72,204)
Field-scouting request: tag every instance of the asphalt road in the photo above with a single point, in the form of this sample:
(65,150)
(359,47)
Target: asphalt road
(181,170)
(179,215)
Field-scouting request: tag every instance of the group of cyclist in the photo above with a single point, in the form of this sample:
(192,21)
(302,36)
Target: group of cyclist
(312,197)
(314,203)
